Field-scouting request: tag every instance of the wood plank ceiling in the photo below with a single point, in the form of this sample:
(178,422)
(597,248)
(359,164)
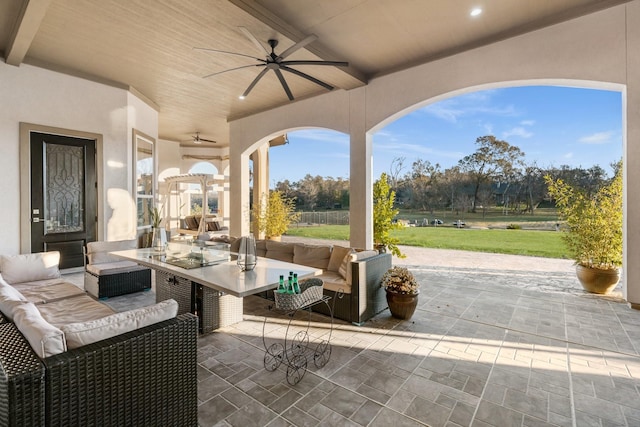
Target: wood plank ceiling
(148,46)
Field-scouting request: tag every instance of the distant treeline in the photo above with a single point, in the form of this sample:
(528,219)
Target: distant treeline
(496,174)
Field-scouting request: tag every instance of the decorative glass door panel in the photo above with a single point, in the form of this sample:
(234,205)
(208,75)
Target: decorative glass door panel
(64,196)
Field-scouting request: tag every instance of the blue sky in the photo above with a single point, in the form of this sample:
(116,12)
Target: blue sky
(552,125)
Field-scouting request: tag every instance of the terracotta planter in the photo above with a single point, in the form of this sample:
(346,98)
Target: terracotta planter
(402,306)
(274,238)
(597,281)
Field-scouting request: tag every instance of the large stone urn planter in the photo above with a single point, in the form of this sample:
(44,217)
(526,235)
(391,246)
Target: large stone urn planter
(402,306)
(596,280)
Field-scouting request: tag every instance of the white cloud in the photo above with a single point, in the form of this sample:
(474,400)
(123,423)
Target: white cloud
(597,138)
(517,131)
(528,122)
(451,110)
(568,155)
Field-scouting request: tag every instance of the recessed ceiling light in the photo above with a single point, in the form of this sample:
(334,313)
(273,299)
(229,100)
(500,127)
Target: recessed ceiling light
(241,97)
(476,11)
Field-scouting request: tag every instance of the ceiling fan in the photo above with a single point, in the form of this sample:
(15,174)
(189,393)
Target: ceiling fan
(197,140)
(277,63)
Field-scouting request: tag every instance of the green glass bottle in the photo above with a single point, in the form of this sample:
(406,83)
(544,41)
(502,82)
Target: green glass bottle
(290,285)
(281,288)
(296,286)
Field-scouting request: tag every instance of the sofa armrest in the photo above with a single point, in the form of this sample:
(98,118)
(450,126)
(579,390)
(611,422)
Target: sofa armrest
(143,377)
(368,298)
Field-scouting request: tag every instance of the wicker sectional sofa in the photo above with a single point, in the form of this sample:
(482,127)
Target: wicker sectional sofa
(354,274)
(69,360)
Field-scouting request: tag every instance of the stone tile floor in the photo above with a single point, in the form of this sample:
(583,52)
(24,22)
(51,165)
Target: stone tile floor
(511,342)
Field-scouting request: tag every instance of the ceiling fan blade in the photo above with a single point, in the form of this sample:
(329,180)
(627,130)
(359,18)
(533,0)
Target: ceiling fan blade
(232,69)
(307,76)
(332,63)
(228,53)
(254,40)
(253,83)
(207,140)
(284,84)
(302,43)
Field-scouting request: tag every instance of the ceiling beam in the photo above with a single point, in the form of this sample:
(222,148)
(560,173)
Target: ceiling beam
(273,21)
(25,29)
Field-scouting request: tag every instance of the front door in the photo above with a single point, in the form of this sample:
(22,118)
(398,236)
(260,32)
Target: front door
(63,195)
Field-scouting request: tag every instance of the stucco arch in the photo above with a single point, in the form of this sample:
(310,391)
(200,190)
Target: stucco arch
(583,84)
(598,49)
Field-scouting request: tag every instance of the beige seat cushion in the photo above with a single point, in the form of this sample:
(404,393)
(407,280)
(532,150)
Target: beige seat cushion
(45,339)
(50,293)
(72,310)
(114,267)
(98,252)
(30,267)
(311,255)
(83,333)
(334,282)
(10,298)
(338,253)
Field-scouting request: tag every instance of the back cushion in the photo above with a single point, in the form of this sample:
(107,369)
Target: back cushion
(312,256)
(191,222)
(280,251)
(44,338)
(10,298)
(98,252)
(261,248)
(30,267)
(79,334)
(337,257)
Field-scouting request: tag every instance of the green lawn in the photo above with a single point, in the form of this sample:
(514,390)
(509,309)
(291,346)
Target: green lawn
(546,244)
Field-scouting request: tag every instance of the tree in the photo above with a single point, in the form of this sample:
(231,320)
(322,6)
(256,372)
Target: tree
(274,214)
(493,159)
(383,215)
(421,180)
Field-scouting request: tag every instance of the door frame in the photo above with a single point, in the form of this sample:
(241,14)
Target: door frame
(25,177)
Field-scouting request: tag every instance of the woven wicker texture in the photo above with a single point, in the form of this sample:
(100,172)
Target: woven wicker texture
(367,298)
(216,309)
(111,285)
(171,286)
(310,292)
(146,377)
(21,381)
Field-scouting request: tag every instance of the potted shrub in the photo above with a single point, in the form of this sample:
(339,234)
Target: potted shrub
(383,215)
(402,292)
(593,232)
(273,215)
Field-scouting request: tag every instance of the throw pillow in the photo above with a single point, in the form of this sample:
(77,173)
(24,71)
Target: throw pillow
(344,265)
(10,298)
(337,257)
(45,339)
(80,334)
(30,267)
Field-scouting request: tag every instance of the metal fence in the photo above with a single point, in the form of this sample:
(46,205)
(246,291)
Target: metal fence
(326,217)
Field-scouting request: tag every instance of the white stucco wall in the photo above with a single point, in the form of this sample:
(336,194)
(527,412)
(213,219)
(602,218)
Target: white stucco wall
(34,95)
(597,50)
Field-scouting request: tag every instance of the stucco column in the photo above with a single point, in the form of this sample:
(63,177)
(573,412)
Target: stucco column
(260,159)
(632,159)
(361,160)
(238,191)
